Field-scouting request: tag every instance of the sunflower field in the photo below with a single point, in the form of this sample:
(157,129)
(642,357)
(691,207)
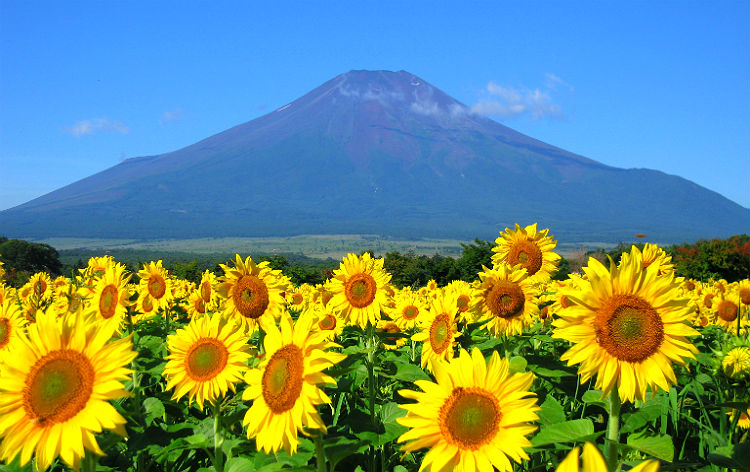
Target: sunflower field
(625,366)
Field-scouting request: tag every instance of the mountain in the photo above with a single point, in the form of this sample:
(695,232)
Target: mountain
(375,152)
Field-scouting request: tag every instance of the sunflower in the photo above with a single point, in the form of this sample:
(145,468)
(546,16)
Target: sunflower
(41,286)
(736,363)
(726,311)
(408,310)
(11,327)
(531,249)
(464,294)
(474,417)
(297,298)
(111,297)
(743,289)
(56,394)
(627,325)
(156,282)
(358,287)
(285,388)
(329,322)
(391,335)
(252,292)
(437,331)
(206,358)
(508,298)
(744,419)
(594,461)
(207,290)
(196,305)
(653,254)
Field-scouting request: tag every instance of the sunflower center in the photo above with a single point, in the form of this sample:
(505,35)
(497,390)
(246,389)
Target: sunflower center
(108,301)
(147,304)
(282,378)
(410,312)
(463,303)
(327,323)
(440,333)
(745,295)
(205,359)
(629,328)
(206,291)
(250,296)
(156,286)
(40,286)
(4,332)
(526,253)
(360,290)
(297,299)
(199,305)
(469,418)
(505,299)
(58,386)
(727,310)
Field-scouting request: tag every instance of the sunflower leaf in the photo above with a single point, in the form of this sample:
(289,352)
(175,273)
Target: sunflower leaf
(659,446)
(567,431)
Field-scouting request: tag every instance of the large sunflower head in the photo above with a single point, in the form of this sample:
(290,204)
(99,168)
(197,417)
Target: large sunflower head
(438,331)
(206,358)
(55,396)
(252,292)
(476,415)
(156,282)
(506,297)
(285,388)
(628,325)
(359,289)
(530,248)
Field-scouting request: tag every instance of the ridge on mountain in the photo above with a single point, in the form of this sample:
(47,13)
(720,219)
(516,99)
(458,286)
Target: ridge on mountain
(375,152)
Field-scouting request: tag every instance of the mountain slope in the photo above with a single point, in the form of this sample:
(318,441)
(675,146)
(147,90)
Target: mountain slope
(375,152)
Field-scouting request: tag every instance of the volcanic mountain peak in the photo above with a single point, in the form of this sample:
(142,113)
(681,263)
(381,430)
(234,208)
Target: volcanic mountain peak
(374,152)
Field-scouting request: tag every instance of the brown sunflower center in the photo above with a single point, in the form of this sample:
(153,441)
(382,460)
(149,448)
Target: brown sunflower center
(199,305)
(470,417)
(707,300)
(360,290)
(282,378)
(440,333)
(409,312)
(108,301)
(58,386)
(505,299)
(157,287)
(206,359)
(462,302)
(628,328)
(250,296)
(40,286)
(526,253)
(206,291)
(745,295)
(297,299)
(147,304)
(327,323)
(727,310)
(4,332)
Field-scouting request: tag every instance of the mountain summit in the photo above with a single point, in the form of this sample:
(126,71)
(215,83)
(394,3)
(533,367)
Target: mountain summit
(375,152)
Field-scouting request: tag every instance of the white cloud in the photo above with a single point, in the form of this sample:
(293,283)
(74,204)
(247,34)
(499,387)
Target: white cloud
(509,102)
(172,115)
(97,125)
(552,82)
(425,108)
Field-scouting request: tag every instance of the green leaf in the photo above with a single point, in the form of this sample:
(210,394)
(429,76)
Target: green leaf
(239,464)
(410,372)
(545,372)
(733,456)
(594,397)
(551,412)
(649,411)
(517,364)
(154,409)
(659,446)
(567,431)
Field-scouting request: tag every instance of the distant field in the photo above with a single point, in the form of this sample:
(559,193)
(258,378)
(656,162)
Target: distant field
(317,246)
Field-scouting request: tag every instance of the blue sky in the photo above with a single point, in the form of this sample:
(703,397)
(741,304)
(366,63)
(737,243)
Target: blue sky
(662,85)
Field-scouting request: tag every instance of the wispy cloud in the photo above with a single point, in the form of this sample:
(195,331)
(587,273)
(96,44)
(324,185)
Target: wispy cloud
(511,102)
(172,115)
(97,125)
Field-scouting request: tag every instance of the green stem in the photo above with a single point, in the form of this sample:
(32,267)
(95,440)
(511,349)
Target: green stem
(372,344)
(320,453)
(88,464)
(613,430)
(218,438)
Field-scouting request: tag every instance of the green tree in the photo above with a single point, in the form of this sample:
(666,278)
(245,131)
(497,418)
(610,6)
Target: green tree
(25,256)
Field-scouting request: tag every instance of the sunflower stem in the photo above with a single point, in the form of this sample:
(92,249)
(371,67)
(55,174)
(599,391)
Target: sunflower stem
(88,464)
(218,438)
(320,453)
(371,348)
(613,430)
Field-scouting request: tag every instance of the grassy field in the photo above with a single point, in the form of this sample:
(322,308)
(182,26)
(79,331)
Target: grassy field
(312,245)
